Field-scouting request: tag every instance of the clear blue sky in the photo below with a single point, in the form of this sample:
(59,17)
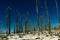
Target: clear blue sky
(28,5)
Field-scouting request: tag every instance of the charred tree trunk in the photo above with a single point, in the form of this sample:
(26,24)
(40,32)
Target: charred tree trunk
(49,26)
(41,18)
(8,20)
(26,23)
(17,22)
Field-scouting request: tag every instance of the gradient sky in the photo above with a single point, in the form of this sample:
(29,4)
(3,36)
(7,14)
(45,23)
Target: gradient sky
(28,5)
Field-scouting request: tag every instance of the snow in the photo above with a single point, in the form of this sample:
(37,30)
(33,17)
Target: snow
(33,37)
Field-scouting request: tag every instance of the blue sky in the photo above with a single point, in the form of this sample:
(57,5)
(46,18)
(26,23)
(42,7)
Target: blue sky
(28,5)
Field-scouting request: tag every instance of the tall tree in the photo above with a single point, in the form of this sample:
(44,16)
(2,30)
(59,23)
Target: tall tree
(17,22)
(26,22)
(8,20)
(49,27)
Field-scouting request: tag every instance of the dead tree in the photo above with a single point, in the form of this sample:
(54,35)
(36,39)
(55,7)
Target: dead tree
(26,23)
(8,20)
(37,20)
(17,22)
(49,27)
(41,18)
(39,31)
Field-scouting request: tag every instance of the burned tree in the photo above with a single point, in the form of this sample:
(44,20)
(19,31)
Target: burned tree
(26,22)
(8,20)
(41,18)
(17,22)
(38,30)
(37,20)
(34,29)
(49,27)
(57,15)
(20,26)
(55,29)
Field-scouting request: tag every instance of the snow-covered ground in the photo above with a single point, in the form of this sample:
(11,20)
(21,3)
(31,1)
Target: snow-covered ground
(44,36)
(33,37)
